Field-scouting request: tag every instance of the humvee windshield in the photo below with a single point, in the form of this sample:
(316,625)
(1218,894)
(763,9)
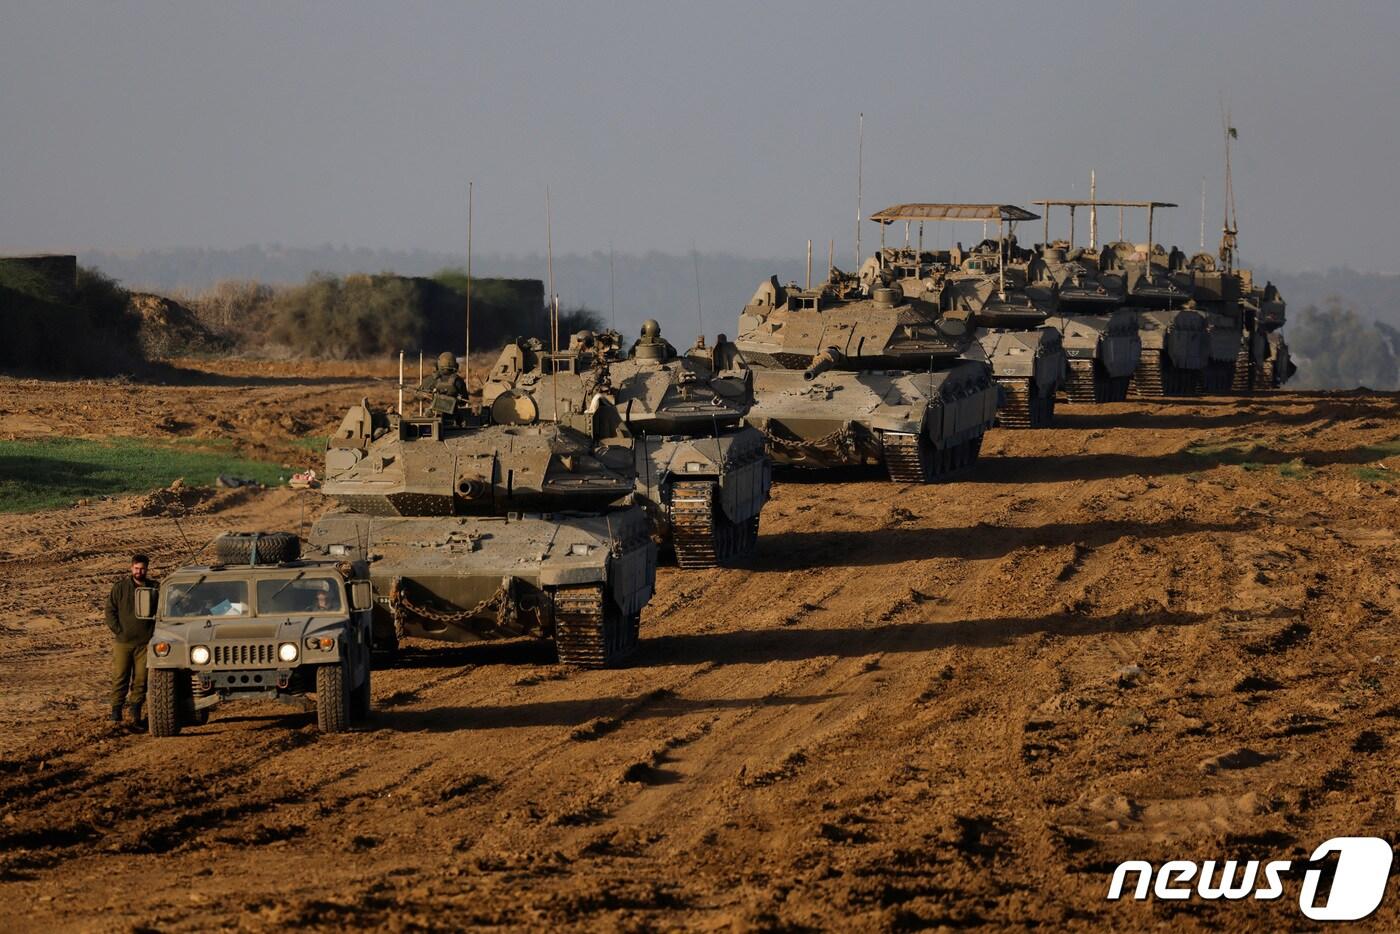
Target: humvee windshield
(207,598)
(280,596)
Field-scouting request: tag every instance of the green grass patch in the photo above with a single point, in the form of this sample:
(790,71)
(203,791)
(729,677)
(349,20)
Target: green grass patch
(1374,475)
(50,473)
(1295,470)
(316,444)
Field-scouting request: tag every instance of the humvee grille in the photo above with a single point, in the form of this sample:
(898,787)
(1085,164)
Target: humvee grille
(258,654)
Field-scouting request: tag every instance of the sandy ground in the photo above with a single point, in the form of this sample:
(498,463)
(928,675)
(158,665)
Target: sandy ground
(917,706)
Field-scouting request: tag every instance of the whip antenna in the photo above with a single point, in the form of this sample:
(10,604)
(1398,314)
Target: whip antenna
(860,179)
(467,360)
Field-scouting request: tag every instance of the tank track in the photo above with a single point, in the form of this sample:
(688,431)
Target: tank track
(703,537)
(589,630)
(1243,380)
(914,459)
(1155,379)
(1024,409)
(1268,376)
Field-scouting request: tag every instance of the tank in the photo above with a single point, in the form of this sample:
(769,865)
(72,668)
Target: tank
(1175,339)
(700,472)
(1100,336)
(1264,313)
(850,373)
(988,284)
(1215,293)
(1011,310)
(480,531)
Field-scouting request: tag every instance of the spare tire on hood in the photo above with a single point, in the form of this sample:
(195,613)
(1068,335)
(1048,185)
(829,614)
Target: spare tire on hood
(256,547)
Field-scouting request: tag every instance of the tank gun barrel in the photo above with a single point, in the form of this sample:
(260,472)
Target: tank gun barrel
(826,360)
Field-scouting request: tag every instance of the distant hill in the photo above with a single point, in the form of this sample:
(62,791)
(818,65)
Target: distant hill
(1372,295)
(658,285)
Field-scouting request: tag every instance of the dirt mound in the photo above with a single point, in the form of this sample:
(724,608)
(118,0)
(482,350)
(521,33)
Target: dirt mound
(175,500)
(169,328)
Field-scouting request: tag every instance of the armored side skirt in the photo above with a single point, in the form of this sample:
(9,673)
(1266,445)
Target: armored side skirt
(840,417)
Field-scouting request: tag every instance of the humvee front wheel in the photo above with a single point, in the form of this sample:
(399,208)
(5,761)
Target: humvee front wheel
(163,712)
(332,698)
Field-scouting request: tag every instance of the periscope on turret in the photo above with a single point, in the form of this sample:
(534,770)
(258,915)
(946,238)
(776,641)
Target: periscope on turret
(701,473)
(478,530)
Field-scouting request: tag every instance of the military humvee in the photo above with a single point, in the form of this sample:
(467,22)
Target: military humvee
(259,624)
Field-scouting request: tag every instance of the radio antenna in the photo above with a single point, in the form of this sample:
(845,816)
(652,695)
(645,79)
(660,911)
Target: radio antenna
(553,306)
(699,314)
(467,360)
(612,287)
(860,180)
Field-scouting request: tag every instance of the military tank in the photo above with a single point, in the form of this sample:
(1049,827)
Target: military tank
(848,374)
(1264,313)
(1175,339)
(1100,335)
(476,530)
(1011,330)
(701,473)
(1216,294)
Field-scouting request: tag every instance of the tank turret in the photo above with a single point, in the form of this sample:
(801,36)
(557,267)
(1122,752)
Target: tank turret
(864,368)
(699,470)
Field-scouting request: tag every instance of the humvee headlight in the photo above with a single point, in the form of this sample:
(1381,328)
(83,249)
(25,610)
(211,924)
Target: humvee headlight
(287,651)
(321,643)
(161,649)
(199,655)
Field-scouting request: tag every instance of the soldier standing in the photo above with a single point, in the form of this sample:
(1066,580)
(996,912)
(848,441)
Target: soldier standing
(132,635)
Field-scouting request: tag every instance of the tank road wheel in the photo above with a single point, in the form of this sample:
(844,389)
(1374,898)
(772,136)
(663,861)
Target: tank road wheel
(332,698)
(163,703)
(702,535)
(359,699)
(590,630)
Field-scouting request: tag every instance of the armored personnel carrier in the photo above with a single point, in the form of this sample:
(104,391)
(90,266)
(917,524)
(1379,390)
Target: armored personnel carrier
(478,531)
(1011,329)
(849,374)
(1100,335)
(702,474)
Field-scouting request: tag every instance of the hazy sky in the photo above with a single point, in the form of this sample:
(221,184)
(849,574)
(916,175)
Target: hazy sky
(129,125)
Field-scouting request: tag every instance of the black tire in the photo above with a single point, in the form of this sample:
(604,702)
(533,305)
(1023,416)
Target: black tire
(267,547)
(360,697)
(332,698)
(163,702)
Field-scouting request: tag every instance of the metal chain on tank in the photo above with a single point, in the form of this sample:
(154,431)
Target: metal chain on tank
(840,439)
(399,600)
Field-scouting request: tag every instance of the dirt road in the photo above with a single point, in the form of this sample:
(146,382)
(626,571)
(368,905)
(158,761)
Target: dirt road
(1159,631)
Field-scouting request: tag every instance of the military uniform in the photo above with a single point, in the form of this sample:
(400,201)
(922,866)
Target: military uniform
(445,383)
(129,650)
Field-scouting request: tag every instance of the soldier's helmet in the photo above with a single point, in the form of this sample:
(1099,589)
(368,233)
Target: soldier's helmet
(650,330)
(447,360)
